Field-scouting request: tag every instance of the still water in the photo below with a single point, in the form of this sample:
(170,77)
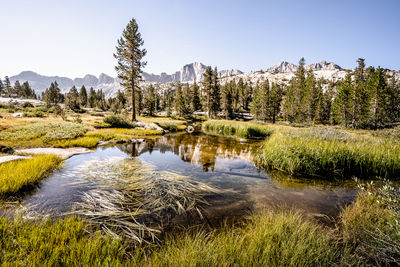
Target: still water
(221,162)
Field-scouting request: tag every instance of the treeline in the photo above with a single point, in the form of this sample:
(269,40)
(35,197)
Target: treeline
(365,98)
(76,101)
(18,90)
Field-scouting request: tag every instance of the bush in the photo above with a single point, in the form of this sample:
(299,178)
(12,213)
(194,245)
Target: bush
(27,105)
(115,121)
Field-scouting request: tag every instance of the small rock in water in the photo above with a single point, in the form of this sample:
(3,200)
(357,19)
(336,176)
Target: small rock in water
(17,115)
(242,140)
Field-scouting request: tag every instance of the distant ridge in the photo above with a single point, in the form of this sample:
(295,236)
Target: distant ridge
(188,73)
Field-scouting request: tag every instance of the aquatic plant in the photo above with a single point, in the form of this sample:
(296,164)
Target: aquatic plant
(238,129)
(16,175)
(131,193)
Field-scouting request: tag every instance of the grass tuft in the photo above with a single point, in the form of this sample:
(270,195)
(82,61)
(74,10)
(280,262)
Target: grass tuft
(85,141)
(238,129)
(16,175)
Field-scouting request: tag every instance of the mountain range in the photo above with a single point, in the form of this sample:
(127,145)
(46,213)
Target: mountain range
(282,72)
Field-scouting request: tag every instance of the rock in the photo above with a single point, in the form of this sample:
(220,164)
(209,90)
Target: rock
(17,115)
(140,124)
(137,141)
(242,140)
(6,149)
(154,126)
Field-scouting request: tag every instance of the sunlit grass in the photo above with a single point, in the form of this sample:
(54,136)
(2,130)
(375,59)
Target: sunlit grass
(85,141)
(116,134)
(371,226)
(58,243)
(238,129)
(325,156)
(15,175)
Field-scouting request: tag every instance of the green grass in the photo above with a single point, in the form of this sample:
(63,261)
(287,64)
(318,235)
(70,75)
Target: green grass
(367,233)
(122,134)
(16,175)
(371,226)
(85,141)
(42,133)
(59,243)
(238,129)
(328,155)
(282,238)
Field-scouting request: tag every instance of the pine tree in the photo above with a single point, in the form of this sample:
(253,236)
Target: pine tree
(256,104)
(7,86)
(196,102)
(72,99)
(343,105)
(326,103)
(208,90)
(227,101)
(295,93)
(149,100)
(83,98)
(1,87)
(215,93)
(187,99)
(276,99)
(52,95)
(26,91)
(92,98)
(179,100)
(17,89)
(129,55)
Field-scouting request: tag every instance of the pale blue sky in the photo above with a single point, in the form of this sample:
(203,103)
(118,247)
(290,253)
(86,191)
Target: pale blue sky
(73,38)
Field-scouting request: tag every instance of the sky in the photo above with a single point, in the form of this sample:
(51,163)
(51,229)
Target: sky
(74,38)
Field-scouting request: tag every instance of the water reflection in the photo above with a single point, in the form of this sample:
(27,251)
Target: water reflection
(221,162)
(199,149)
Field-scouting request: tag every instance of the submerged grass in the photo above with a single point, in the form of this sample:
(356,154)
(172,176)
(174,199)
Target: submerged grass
(16,175)
(238,129)
(133,200)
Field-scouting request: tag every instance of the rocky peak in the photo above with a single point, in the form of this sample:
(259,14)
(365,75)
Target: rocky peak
(104,78)
(323,65)
(283,66)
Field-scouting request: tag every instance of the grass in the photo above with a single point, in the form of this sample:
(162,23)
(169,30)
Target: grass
(58,243)
(303,154)
(17,175)
(42,133)
(367,233)
(237,129)
(85,141)
(371,226)
(282,238)
(121,134)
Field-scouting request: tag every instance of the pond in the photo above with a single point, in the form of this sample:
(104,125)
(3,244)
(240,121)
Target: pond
(221,162)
